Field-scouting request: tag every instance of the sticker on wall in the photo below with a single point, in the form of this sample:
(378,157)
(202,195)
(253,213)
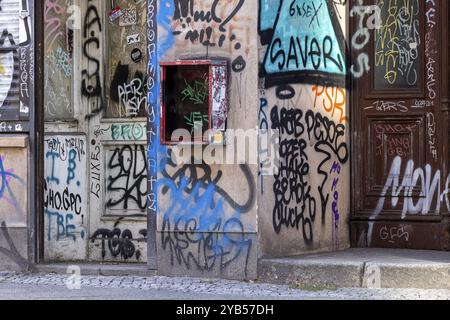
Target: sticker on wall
(128,18)
(136,55)
(23,108)
(133,38)
(115,14)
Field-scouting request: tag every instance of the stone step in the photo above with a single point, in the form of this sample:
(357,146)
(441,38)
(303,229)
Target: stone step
(98,269)
(373,268)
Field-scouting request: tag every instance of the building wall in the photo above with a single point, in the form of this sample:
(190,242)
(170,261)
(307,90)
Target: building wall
(305,206)
(288,72)
(117,131)
(207,213)
(14,204)
(95,143)
(211,219)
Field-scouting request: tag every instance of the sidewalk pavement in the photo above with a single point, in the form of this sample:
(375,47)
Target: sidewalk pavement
(349,274)
(17,286)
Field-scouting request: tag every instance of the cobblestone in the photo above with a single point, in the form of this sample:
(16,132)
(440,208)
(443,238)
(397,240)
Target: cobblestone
(193,286)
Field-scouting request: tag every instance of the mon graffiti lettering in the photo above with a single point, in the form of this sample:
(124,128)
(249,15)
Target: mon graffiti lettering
(403,185)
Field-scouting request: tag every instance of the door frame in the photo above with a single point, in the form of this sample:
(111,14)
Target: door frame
(37,226)
(37,139)
(357,138)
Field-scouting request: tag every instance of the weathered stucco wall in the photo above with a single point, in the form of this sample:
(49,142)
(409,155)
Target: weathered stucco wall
(207,213)
(14,209)
(304,207)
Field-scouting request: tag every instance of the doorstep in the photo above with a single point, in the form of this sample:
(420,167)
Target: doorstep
(385,268)
(98,269)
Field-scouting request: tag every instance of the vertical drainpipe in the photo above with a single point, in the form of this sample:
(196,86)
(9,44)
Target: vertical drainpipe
(153,134)
(36,10)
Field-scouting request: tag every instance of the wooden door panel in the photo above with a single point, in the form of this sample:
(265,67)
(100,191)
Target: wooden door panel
(407,235)
(388,139)
(398,156)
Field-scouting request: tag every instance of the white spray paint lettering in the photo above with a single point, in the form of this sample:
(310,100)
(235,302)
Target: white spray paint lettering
(430,189)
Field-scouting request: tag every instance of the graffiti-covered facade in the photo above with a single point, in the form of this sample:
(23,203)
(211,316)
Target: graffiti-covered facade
(325,121)
(303,94)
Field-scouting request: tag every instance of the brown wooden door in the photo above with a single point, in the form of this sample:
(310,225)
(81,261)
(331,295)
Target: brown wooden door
(399,116)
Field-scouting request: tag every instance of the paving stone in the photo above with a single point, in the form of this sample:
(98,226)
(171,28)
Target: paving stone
(224,287)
